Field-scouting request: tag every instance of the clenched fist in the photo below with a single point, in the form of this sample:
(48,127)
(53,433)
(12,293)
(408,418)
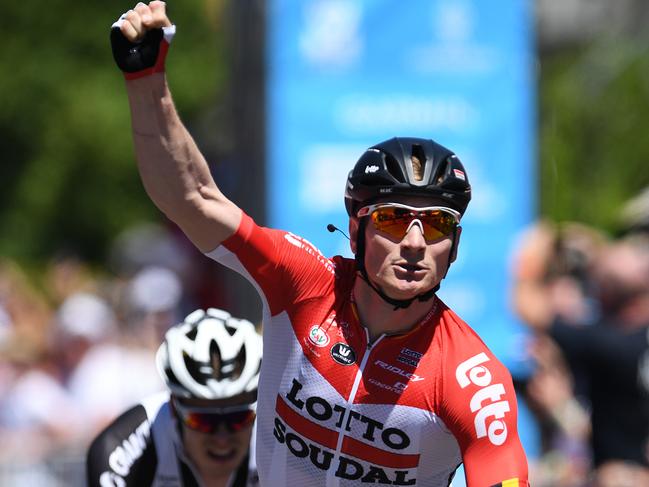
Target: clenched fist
(140,39)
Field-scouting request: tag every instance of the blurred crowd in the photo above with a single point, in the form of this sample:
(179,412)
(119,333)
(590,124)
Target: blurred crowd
(77,345)
(585,297)
(78,348)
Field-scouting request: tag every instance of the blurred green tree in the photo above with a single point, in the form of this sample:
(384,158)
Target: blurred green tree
(68,179)
(593,126)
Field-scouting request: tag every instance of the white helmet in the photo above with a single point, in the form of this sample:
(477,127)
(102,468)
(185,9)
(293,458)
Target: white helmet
(210,356)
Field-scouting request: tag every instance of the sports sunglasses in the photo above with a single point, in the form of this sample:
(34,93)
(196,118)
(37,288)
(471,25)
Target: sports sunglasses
(395,219)
(208,419)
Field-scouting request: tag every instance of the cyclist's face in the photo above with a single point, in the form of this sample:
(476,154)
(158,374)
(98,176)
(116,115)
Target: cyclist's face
(216,454)
(405,267)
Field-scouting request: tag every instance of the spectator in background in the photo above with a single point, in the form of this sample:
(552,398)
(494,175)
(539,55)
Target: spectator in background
(106,370)
(151,246)
(635,213)
(36,416)
(552,269)
(611,354)
(65,274)
(61,394)
(75,352)
(83,320)
(147,246)
(152,303)
(564,422)
(26,312)
(198,433)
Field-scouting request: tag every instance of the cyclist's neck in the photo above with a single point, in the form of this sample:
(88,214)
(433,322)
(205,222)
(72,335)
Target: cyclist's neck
(380,317)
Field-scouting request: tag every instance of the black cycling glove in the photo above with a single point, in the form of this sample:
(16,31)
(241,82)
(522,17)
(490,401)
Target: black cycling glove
(144,57)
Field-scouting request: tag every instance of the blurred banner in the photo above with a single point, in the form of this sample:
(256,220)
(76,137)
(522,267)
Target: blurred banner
(343,75)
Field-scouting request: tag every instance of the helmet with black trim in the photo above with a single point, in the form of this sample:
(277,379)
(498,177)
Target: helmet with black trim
(407,166)
(210,355)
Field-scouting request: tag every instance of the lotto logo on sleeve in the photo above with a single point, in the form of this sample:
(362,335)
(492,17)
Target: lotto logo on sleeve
(486,403)
(343,354)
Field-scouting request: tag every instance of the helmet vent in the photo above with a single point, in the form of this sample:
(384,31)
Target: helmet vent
(418,160)
(394,168)
(216,361)
(236,368)
(198,370)
(440,175)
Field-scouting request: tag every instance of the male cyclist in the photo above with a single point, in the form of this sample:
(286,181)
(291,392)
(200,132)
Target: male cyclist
(198,433)
(368,377)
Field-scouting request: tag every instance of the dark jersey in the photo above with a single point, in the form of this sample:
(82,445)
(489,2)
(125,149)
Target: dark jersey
(142,448)
(615,365)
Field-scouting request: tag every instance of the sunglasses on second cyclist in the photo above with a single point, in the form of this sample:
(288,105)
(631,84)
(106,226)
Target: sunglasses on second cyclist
(208,419)
(395,219)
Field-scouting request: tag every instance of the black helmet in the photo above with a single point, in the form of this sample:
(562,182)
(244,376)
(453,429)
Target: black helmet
(387,169)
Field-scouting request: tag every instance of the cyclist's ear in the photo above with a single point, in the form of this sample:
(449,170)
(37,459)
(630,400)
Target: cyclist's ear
(353,233)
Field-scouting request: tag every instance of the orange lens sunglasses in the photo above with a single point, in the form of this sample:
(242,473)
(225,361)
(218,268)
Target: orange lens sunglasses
(395,219)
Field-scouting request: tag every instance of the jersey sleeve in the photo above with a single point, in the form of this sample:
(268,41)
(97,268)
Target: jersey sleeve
(123,453)
(478,405)
(284,267)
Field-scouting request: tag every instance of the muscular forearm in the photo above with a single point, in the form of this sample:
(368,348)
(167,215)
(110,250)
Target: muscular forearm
(173,171)
(170,164)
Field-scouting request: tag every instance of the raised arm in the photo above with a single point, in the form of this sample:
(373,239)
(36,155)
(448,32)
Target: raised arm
(173,170)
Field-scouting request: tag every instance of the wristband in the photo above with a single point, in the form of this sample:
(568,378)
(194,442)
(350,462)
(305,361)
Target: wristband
(144,57)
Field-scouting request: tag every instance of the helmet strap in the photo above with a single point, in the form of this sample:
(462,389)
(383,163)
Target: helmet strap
(360,266)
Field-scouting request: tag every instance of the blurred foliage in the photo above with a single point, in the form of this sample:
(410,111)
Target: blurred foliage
(593,125)
(68,181)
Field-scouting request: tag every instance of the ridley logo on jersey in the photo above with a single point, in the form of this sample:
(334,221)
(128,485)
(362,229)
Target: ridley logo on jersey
(399,371)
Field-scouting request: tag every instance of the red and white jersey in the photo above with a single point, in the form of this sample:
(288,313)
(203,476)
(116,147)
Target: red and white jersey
(335,410)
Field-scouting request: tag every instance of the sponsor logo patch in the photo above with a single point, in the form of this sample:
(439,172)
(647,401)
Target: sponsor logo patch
(409,357)
(459,174)
(343,354)
(318,336)
(488,403)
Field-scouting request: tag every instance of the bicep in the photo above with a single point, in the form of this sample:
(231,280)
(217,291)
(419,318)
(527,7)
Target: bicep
(174,173)
(210,222)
